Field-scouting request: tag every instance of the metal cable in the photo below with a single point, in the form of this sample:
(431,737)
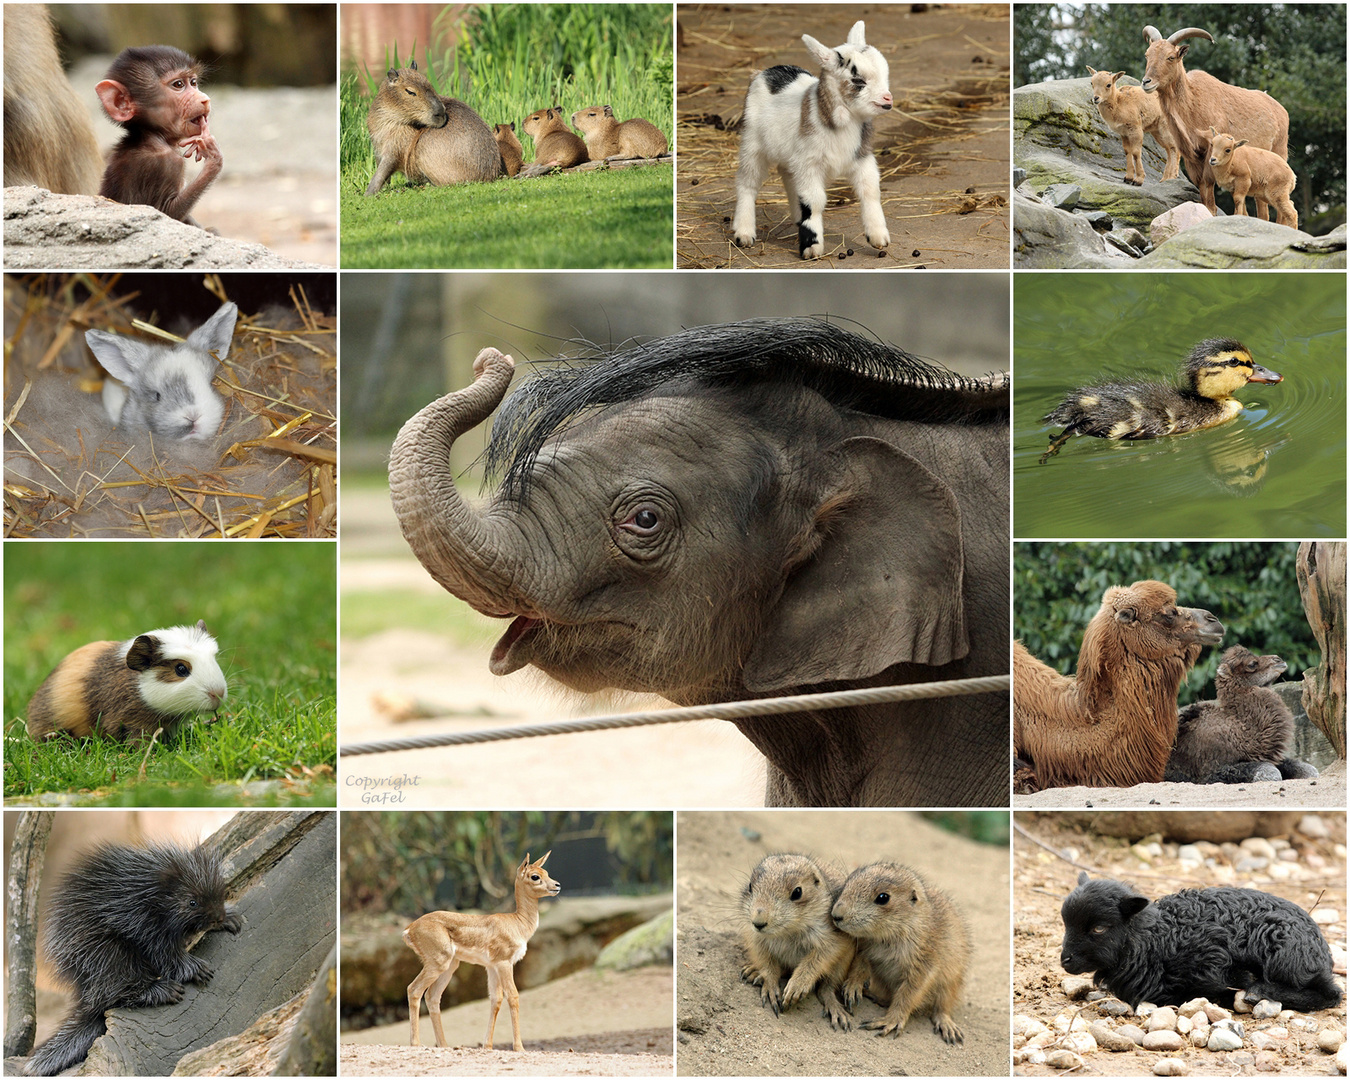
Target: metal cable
(732,710)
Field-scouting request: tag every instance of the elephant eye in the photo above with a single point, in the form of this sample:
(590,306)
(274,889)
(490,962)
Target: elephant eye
(644,521)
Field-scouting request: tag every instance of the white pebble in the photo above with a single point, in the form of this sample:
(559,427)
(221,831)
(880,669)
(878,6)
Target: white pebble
(1063,1059)
(1343,1057)
(1190,853)
(1080,1042)
(1170,1067)
(1184,1025)
(1216,1013)
(1323,916)
(1262,1040)
(1200,1037)
(1164,1040)
(1281,871)
(1041,1041)
(1164,1019)
(1192,1006)
(1258,846)
(1313,826)
(1029,1057)
(1223,1039)
(1265,1009)
(1330,1040)
(1145,1009)
(1240,1002)
(1235,1026)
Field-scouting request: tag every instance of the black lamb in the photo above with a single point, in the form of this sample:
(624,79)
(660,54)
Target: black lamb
(1196,943)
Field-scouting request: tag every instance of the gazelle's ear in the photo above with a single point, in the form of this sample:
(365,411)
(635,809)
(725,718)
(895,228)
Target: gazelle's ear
(524,864)
(545,858)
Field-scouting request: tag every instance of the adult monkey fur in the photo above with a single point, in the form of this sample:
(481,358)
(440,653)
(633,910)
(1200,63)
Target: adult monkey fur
(728,503)
(152,93)
(49,139)
(116,931)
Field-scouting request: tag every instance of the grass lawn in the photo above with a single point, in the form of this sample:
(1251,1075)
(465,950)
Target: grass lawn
(607,218)
(271,606)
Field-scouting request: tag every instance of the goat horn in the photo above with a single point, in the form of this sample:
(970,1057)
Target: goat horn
(1190,32)
(1151,32)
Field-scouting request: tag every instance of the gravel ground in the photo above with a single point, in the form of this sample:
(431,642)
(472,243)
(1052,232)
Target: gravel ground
(1306,866)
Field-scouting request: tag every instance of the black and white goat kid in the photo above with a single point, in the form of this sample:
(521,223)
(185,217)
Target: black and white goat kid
(815,129)
(1196,943)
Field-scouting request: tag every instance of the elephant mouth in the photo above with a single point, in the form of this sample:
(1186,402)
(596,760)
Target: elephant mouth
(506,657)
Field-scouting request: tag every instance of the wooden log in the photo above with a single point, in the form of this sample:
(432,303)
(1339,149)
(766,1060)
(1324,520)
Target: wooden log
(1321,584)
(26,856)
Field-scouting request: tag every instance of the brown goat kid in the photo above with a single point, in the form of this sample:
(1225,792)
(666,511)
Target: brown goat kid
(1192,101)
(1113,723)
(1246,170)
(1132,114)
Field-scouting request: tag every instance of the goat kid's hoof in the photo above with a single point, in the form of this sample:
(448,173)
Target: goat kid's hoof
(814,251)
(744,239)
(881,242)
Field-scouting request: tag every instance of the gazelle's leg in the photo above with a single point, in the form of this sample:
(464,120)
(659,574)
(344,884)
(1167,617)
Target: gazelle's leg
(416,989)
(494,1000)
(434,1001)
(513,999)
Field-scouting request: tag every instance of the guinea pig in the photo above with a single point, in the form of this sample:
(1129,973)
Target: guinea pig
(128,689)
(165,389)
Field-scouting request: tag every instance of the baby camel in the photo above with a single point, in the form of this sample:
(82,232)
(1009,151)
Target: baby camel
(442,939)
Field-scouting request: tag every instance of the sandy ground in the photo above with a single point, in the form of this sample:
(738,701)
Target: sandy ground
(1041,881)
(703,763)
(278,183)
(943,152)
(591,1023)
(1328,790)
(723,1028)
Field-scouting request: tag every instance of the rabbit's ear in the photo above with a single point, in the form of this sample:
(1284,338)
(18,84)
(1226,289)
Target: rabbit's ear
(214,335)
(122,357)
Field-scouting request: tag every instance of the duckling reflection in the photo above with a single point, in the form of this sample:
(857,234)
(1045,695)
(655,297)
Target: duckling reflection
(1213,372)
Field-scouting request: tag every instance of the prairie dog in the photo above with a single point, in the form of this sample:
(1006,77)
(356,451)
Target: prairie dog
(552,141)
(913,946)
(129,688)
(607,137)
(788,931)
(513,154)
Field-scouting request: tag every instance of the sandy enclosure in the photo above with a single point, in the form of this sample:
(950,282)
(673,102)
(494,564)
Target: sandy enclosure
(943,151)
(591,1023)
(723,1030)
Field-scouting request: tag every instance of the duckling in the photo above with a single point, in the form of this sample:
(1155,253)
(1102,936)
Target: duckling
(1215,370)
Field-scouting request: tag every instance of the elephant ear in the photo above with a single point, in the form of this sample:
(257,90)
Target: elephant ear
(882,584)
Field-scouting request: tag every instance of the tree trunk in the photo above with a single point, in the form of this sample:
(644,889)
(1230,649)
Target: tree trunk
(1321,584)
(280,866)
(25,872)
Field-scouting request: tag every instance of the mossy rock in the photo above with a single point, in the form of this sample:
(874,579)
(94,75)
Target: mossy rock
(651,943)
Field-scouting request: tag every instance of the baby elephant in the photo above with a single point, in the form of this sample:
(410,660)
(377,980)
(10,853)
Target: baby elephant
(1196,943)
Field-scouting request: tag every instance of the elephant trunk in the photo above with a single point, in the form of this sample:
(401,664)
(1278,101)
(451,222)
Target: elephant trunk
(459,547)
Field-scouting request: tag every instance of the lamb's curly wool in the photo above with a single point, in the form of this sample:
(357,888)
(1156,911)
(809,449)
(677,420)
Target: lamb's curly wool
(1196,943)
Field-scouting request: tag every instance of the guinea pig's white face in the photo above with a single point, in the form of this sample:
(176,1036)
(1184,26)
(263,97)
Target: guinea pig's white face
(178,672)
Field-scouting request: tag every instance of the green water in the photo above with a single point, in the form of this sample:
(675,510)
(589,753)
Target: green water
(1276,471)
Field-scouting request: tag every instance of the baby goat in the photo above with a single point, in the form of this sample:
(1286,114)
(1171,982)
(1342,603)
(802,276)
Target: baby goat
(1249,170)
(815,129)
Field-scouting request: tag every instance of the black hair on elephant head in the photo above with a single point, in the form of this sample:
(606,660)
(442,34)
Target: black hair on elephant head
(1196,943)
(741,510)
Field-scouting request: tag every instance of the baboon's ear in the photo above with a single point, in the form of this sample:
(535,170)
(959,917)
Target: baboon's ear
(1082,877)
(545,858)
(1132,906)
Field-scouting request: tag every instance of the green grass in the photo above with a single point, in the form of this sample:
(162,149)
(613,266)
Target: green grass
(606,218)
(270,606)
(508,61)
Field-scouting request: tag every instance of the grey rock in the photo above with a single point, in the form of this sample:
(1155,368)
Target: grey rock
(44,231)
(1243,242)
(1251,863)
(1045,237)
(1019,176)
(1112,1007)
(1075,986)
(1266,1009)
(1109,1039)
(651,943)
(1099,220)
(1132,1032)
(1065,196)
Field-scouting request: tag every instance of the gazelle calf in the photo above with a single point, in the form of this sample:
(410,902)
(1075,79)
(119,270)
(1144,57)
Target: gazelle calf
(443,939)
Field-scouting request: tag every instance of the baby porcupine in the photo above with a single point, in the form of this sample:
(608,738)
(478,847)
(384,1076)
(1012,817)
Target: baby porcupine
(117,925)
(913,946)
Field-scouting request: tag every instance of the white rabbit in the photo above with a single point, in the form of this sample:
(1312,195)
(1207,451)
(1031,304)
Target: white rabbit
(166,388)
